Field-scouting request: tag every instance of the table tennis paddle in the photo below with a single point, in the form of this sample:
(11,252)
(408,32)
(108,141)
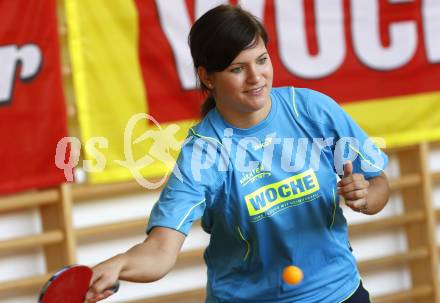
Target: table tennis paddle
(69,285)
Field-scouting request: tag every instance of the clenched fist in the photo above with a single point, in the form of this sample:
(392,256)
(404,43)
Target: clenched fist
(354,189)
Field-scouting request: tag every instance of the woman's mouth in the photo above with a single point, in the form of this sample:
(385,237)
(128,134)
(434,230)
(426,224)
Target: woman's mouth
(255,91)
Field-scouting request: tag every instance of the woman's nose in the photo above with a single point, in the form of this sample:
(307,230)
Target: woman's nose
(253,76)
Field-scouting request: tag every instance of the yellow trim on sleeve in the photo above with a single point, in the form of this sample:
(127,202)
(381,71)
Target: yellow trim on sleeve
(334,207)
(187,214)
(363,157)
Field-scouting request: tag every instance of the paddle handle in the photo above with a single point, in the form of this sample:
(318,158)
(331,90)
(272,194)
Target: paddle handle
(115,287)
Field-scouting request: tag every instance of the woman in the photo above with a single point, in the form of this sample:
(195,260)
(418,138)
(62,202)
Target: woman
(259,170)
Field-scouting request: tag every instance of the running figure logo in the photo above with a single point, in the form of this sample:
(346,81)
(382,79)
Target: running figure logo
(163,141)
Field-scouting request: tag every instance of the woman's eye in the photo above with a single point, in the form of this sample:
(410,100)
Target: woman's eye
(236,70)
(262,60)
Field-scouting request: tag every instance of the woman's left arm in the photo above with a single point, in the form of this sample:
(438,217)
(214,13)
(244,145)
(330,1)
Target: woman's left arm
(366,196)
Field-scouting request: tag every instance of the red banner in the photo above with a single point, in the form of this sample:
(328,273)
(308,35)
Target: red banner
(351,50)
(32,110)
(379,58)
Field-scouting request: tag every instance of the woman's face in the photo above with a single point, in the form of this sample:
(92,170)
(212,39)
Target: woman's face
(244,86)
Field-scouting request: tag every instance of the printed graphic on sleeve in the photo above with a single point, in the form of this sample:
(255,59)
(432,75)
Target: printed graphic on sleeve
(272,198)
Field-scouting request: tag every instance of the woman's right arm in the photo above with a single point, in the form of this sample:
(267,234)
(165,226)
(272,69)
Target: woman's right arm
(146,262)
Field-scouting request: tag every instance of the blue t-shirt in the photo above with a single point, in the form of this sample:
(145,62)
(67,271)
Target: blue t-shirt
(267,195)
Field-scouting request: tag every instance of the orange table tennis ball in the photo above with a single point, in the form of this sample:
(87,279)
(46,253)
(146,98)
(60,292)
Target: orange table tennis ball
(292,275)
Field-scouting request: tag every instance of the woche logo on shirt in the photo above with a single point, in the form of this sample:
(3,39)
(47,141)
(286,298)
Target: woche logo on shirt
(292,191)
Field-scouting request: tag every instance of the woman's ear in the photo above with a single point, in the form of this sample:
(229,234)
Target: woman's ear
(204,77)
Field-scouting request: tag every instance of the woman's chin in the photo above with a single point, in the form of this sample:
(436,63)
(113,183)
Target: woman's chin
(257,103)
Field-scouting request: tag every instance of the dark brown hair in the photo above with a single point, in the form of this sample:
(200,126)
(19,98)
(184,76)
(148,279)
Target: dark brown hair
(217,37)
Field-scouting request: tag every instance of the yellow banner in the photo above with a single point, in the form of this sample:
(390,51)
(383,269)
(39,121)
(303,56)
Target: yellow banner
(110,94)
(401,121)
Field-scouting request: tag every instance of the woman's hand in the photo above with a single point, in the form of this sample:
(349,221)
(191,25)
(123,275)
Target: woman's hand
(366,196)
(105,276)
(145,262)
(354,189)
